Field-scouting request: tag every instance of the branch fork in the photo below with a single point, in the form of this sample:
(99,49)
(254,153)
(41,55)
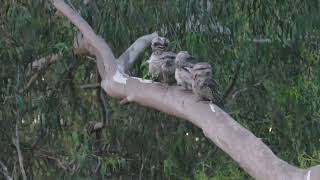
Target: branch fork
(239,143)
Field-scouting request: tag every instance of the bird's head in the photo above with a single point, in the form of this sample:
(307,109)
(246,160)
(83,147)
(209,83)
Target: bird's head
(201,70)
(159,43)
(183,58)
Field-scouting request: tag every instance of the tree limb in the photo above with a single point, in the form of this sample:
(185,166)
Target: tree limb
(246,149)
(127,59)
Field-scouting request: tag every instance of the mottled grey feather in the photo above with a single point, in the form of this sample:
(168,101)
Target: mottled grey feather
(183,73)
(204,86)
(161,62)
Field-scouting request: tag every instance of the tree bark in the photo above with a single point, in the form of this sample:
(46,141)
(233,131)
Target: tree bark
(246,149)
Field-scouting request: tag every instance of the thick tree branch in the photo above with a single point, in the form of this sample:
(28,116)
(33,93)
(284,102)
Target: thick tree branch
(249,151)
(96,45)
(127,59)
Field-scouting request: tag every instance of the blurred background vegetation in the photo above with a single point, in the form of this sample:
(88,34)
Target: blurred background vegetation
(275,43)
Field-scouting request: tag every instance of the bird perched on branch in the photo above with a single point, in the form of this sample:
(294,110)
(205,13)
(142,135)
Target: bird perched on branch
(204,86)
(183,73)
(161,62)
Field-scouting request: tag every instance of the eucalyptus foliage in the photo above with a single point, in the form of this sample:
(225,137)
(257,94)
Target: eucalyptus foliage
(275,43)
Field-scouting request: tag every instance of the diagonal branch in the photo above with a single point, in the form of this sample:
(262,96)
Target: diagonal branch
(245,148)
(96,45)
(4,171)
(233,83)
(39,66)
(15,141)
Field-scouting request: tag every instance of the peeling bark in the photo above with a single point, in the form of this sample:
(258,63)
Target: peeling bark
(239,143)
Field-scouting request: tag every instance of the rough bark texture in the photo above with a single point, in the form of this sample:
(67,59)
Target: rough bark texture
(249,151)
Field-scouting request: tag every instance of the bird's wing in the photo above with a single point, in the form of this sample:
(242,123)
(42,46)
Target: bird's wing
(214,89)
(186,75)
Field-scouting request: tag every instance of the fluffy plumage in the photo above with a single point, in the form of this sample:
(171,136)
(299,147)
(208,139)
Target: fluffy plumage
(183,73)
(161,62)
(204,86)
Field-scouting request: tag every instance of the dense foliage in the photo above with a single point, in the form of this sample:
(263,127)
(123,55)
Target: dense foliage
(275,43)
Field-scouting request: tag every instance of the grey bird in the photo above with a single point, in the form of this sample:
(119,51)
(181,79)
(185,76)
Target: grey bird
(184,67)
(161,62)
(204,86)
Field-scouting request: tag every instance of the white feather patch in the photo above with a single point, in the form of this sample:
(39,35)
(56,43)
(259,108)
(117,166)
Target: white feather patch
(308,175)
(120,78)
(143,80)
(212,107)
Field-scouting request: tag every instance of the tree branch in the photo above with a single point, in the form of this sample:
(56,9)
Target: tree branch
(127,59)
(96,45)
(249,151)
(233,83)
(15,141)
(38,67)
(4,171)
(90,86)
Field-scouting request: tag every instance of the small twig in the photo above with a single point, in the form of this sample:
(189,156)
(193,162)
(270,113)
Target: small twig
(142,166)
(14,171)
(58,161)
(245,89)
(4,171)
(233,83)
(90,86)
(98,166)
(20,157)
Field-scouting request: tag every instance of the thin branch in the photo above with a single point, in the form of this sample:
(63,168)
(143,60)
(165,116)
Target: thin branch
(261,40)
(233,83)
(4,171)
(16,142)
(59,162)
(127,59)
(45,61)
(235,94)
(90,86)
(39,66)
